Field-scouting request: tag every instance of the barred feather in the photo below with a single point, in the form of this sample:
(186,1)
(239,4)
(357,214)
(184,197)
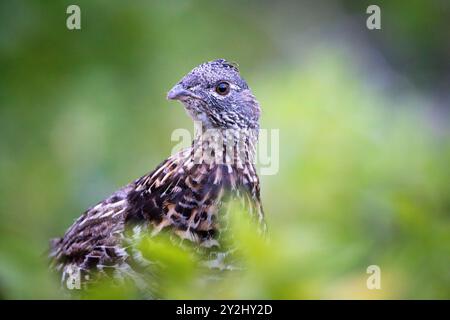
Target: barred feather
(182,196)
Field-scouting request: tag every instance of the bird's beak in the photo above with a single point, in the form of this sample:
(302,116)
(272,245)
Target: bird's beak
(179,93)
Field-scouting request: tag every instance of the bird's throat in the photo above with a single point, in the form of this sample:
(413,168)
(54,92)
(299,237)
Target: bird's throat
(225,146)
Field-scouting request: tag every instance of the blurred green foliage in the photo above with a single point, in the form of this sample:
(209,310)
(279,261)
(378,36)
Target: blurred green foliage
(364,137)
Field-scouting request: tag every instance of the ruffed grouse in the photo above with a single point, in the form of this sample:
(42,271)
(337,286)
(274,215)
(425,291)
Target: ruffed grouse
(184,195)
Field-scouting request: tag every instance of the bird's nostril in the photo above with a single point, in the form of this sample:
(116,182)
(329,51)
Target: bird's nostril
(178,93)
(175,92)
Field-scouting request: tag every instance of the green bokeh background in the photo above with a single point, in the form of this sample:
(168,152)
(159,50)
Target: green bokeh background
(363,117)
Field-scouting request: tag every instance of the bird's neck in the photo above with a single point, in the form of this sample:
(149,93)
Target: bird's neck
(225,146)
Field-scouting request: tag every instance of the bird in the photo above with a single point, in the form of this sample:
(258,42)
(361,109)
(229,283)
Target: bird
(184,195)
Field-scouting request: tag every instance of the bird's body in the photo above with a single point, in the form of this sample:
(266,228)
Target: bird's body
(183,196)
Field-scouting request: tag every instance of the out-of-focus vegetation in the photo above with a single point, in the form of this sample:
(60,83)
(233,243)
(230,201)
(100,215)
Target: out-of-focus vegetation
(364,175)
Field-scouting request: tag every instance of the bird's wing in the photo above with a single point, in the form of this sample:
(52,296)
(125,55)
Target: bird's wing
(94,236)
(180,195)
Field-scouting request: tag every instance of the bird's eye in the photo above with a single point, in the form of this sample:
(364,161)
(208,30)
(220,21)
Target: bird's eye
(223,88)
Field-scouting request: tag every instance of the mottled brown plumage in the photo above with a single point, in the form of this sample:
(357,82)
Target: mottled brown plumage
(184,195)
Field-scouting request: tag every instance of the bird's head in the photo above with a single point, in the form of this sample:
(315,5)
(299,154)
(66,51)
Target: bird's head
(215,94)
